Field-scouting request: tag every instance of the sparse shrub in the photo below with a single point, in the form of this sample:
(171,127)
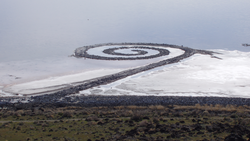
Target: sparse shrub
(136,117)
(18,128)
(206,113)
(45,125)
(126,113)
(27,112)
(234,116)
(8,113)
(152,107)
(5,125)
(226,119)
(84,112)
(245,122)
(17,114)
(49,116)
(240,107)
(230,108)
(164,113)
(60,113)
(146,117)
(182,121)
(198,106)
(92,118)
(67,114)
(103,113)
(119,120)
(143,123)
(156,120)
(198,112)
(178,114)
(193,113)
(92,123)
(217,107)
(32,128)
(35,122)
(242,114)
(96,112)
(245,106)
(100,123)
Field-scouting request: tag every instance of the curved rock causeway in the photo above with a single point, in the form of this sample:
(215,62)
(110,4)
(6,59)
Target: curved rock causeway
(115,52)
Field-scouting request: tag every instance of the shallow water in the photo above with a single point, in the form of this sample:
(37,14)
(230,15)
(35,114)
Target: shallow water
(37,29)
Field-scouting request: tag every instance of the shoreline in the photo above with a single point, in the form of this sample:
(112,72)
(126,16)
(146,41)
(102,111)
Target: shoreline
(111,101)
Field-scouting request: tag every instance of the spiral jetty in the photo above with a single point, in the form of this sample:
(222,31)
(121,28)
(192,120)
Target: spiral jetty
(61,97)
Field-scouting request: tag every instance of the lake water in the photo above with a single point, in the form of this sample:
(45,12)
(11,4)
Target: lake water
(39,29)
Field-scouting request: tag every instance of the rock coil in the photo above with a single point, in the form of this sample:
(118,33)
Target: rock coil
(114,50)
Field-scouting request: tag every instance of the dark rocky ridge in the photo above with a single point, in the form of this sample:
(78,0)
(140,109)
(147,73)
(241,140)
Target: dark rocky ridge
(162,52)
(96,101)
(59,98)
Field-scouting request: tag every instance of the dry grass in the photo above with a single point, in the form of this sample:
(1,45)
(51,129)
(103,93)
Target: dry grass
(134,107)
(126,113)
(157,107)
(119,107)
(217,107)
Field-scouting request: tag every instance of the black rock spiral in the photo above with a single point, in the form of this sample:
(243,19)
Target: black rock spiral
(113,51)
(139,54)
(59,96)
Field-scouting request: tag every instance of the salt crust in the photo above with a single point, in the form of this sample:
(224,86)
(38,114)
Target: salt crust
(199,75)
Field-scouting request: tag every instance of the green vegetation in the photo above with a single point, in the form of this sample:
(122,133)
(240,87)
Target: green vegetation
(174,122)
